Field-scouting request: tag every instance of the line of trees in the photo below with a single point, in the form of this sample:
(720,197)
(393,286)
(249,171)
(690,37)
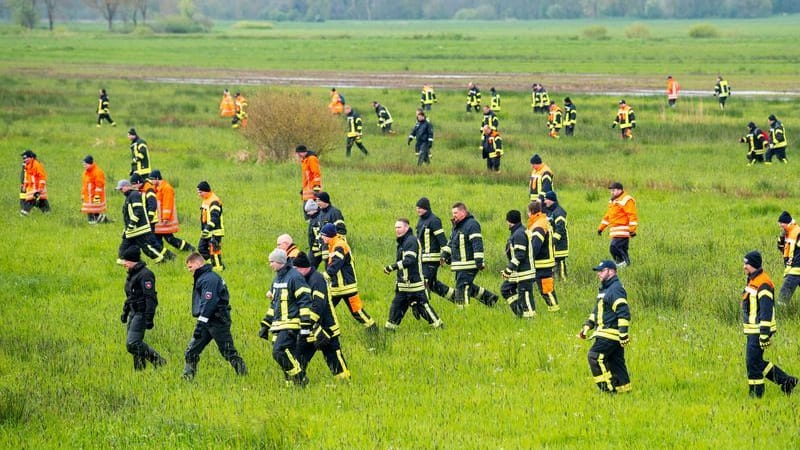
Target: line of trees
(29,13)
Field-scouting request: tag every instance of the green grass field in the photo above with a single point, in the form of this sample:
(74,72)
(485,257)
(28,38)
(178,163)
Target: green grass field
(488,380)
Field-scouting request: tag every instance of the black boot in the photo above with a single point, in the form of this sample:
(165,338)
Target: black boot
(238,365)
(189,370)
(156,359)
(139,362)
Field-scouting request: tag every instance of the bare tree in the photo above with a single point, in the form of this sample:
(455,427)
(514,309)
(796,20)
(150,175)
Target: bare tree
(107,8)
(50,9)
(142,5)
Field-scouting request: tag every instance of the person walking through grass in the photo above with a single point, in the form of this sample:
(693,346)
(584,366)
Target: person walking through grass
(93,191)
(622,220)
(423,133)
(431,240)
(33,185)
(519,275)
(355,130)
(759,326)
(103,110)
(610,319)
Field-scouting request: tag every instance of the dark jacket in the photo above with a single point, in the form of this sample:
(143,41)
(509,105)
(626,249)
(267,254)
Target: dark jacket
(209,294)
(423,132)
(323,316)
(558,220)
(331,214)
(134,215)
(431,237)
(291,301)
(611,314)
(140,291)
(140,157)
(519,254)
(408,264)
(465,248)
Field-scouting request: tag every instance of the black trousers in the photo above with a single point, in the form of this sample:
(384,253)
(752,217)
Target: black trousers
(355,140)
(217,329)
(430,271)
(619,250)
(174,241)
(423,152)
(758,368)
(466,288)
(284,343)
(135,343)
(607,363)
(519,296)
(104,116)
(418,301)
(332,352)
(149,245)
(211,254)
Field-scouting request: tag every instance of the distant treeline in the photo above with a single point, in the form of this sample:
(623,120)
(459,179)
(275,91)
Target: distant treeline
(31,12)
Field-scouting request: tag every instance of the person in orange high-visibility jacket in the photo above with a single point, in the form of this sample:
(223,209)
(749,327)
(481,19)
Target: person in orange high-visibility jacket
(555,120)
(336,106)
(543,253)
(33,191)
(167,213)
(541,180)
(672,91)
(310,173)
(226,106)
(93,193)
(622,221)
(340,272)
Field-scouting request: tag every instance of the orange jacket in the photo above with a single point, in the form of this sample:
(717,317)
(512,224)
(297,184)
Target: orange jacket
(167,212)
(93,192)
(312,176)
(226,106)
(35,180)
(336,106)
(621,217)
(672,88)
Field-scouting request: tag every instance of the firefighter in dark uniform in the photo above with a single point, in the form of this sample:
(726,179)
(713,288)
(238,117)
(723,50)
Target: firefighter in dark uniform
(428,97)
(611,317)
(432,240)
(137,230)
(789,246)
(626,119)
(324,324)
(211,307)
(540,99)
(102,110)
(756,144)
(555,120)
(318,251)
(558,222)
(495,100)
(384,118)
(490,118)
(759,326)
(543,252)
(473,98)
(541,180)
(410,285)
(570,117)
(139,310)
(330,214)
(423,133)
(777,140)
(145,187)
(355,127)
(140,154)
(519,275)
(464,253)
(722,90)
(212,226)
(340,271)
(491,148)
(288,318)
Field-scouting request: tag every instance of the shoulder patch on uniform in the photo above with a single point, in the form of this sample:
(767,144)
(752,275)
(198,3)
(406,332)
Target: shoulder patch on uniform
(208,295)
(148,285)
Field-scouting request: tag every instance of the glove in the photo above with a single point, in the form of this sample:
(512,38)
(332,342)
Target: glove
(633,234)
(764,341)
(781,243)
(322,338)
(205,234)
(263,333)
(599,232)
(149,324)
(409,141)
(198,332)
(624,340)
(479,263)
(506,273)
(614,125)
(126,309)
(633,125)
(582,334)
(388,269)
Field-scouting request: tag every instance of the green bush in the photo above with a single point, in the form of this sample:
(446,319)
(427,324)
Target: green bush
(277,123)
(637,31)
(597,33)
(182,25)
(703,31)
(253,25)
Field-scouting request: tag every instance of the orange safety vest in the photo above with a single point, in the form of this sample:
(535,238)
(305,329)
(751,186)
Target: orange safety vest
(336,106)
(167,212)
(621,217)
(312,176)
(35,180)
(226,106)
(672,89)
(93,192)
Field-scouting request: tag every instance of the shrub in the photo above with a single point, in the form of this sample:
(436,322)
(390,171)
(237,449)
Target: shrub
(182,25)
(597,32)
(279,122)
(253,25)
(703,31)
(637,31)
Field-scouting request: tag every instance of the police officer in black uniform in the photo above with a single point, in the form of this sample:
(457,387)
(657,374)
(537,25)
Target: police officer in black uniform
(139,310)
(211,308)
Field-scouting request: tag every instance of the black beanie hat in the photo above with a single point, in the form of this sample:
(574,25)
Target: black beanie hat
(132,254)
(536,159)
(785,217)
(513,216)
(301,260)
(753,258)
(204,186)
(751,125)
(132,132)
(772,117)
(137,179)
(424,203)
(551,195)
(300,149)
(155,175)
(88,159)
(324,196)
